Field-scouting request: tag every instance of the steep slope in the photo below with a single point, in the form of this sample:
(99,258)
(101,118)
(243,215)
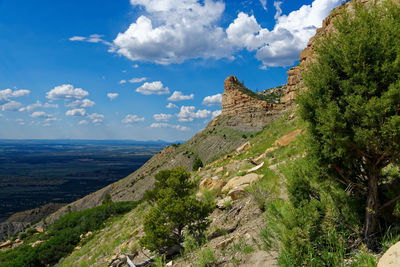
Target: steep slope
(243,114)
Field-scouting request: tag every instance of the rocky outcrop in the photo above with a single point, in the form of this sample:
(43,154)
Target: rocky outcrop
(243,109)
(391,258)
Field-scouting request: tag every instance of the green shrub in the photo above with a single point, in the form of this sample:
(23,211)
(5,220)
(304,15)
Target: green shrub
(197,164)
(174,211)
(63,235)
(206,258)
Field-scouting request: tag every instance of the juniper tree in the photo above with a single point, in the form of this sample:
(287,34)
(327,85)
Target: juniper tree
(352,100)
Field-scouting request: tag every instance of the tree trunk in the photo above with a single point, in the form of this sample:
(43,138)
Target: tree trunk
(371,213)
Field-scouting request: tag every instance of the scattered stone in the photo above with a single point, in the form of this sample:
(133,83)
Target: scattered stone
(199,169)
(7,244)
(237,193)
(241,180)
(256,168)
(260,157)
(169,263)
(391,258)
(288,138)
(212,184)
(291,116)
(77,248)
(271,149)
(39,229)
(89,234)
(243,147)
(34,244)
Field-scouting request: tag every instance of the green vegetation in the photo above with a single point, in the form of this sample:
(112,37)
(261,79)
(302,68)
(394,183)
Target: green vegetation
(197,164)
(334,215)
(206,258)
(352,103)
(174,211)
(62,236)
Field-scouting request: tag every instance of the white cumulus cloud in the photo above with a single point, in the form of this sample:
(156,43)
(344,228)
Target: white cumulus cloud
(137,80)
(11,106)
(83,122)
(66,92)
(96,118)
(77,112)
(40,114)
(131,118)
(173,31)
(171,105)
(189,113)
(112,96)
(6,94)
(162,117)
(38,104)
(85,103)
(212,100)
(168,125)
(179,96)
(122,81)
(153,88)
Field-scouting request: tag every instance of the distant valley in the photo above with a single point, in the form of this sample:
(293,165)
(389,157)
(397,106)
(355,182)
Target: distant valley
(36,172)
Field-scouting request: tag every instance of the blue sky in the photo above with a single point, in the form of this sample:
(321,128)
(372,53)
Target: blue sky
(140,69)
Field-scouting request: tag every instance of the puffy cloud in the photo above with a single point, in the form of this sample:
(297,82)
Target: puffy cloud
(85,103)
(6,94)
(77,38)
(76,112)
(162,117)
(171,105)
(38,104)
(135,66)
(131,118)
(216,113)
(174,31)
(167,125)
(137,80)
(122,81)
(212,100)
(179,96)
(188,113)
(66,92)
(40,114)
(280,46)
(96,118)
(112,96)
(154,88)
(83,122)
(11,106)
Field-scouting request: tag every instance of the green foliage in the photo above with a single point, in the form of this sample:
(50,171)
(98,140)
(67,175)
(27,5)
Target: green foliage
(174,210)
(107,199)
(206,258)
(62,236)
(264,190)
(197,164)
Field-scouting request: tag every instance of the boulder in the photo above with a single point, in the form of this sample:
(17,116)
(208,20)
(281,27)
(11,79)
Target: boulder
(223,244)
(218,170)
(391,258)
(241,180)
(237,193)
(212,184)
(243,147)
(36,243)
(260,157)
(288,138)
(39,229)
(6,244)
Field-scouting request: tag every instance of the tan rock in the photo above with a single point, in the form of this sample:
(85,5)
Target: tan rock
(36,243)
(243,147)
(77,248)
(238,192)
(6,244)
(288,138)
(271,149)
(39,229)
(260,157)
(391,258)
(89,234)
(212,184)
(256,168)
(241,180)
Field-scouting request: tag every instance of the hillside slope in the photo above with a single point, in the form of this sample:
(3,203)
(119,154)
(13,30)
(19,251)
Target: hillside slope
(243,113)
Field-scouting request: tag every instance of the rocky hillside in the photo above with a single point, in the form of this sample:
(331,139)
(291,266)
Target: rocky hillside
(243,114)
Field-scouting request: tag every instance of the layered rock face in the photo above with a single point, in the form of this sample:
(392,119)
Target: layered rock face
(243,109)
